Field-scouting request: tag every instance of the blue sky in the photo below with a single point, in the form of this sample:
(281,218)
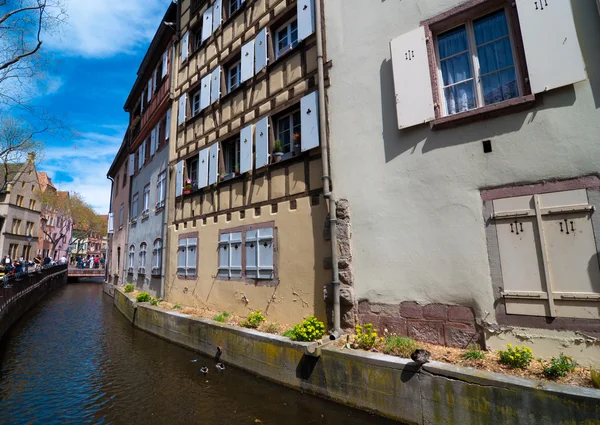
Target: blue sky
(95,60)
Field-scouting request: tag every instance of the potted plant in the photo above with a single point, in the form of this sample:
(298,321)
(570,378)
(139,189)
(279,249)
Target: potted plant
(297,145)
(277,151)
(237,169)
(187,189)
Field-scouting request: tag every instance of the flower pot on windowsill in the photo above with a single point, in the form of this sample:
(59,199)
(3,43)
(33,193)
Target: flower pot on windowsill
(187,190)
(277,156)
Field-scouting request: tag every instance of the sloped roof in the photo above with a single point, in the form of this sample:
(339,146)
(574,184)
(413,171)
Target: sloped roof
(45,181)
(13,171)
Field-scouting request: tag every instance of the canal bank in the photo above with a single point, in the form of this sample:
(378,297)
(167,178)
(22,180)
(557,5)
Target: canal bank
(436,393)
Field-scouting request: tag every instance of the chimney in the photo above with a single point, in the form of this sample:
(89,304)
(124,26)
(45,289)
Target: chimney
(31,157)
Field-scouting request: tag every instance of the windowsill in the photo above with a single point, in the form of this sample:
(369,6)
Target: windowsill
(250,281)
(517,104)
(158,210)
(287,53)
(182,277)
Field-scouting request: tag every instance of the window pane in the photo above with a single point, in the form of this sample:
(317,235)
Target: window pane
(495,55)
(453,42)
(282,38)
(459,98)
(294,33)
(500,86)
(456,69)
(490,27)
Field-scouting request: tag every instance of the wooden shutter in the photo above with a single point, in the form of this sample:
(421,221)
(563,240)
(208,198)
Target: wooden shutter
(306,18)
(246,149)
(217,15)
(111,219)
(205,91)
(149,89)
(179,179)
(192,246)
(185,46)
(260,51)
(235,255)
(165,63)
(309,121)
(203,168)
(213,163)
(181,253)
(155,80)
(412,81)
(181,111)
(131,164)
(262,142)
(152,141)
(250,251)
(247,61)
(168,125)
(224,250)
(215,85)
(207,20)
(550,42)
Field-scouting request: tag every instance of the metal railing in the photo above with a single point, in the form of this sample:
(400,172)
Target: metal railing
(15,286)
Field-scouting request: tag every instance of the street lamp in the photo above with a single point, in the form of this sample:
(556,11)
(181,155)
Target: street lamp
(29,238)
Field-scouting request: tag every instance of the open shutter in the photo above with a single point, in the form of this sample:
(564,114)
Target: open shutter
(247,61)
(217,15)
(224,250)
(213,163)
(246,149)
(185,46)
(165,63)
(265,254)
(192,247)
(235,255)
(550,42)
(181,109)
(142,104)
(260,51)
(215,85)
(306,18)
(205,91)
(207,21)
(203,168)
(152,141)
(155,80)
(131,164)
(111,224)
(262,142)
(149,90)
(179,179)
(168,125)
(412,82)
(251,250)
(309,121)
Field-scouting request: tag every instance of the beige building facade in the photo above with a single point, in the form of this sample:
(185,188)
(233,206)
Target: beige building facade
(247,218)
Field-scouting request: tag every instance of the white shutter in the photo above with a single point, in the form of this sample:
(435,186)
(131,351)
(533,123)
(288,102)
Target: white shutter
(207,20)
(165,63)
(155,80)
(235,255)
(246,149)
(224,249)
(262,142)
(205,91)
(131,164)
(181,253)
(185,46)
(306,18)
(265,254)
(192,248)
(149,89)
(153,141)
(181,109)
(247,61)
(213,163)
(309,121)
(215,85)
(217,15)
(179,179)
(142,104)
(251,250)
(203,168)
(141,156)
(550,42)
(412,82)
(111,218)
(260,51)
(168,125)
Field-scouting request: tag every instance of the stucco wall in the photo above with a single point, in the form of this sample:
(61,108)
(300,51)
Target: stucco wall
(418,228)
(117,269)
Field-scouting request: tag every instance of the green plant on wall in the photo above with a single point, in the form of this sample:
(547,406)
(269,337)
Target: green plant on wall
(310,329)
(595,374)
(400,346)
(222,317)
(516,357)
(277,147)
(155,301)
(129,287)
(254,320)
(366,336)
(474,353)
(143,297)
(559,367)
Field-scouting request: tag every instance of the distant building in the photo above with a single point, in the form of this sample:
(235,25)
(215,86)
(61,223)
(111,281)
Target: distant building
(54,223)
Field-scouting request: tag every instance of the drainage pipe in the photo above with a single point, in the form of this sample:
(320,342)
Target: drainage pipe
(327,192)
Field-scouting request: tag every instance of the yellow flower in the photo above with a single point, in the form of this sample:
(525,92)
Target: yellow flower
(509,345)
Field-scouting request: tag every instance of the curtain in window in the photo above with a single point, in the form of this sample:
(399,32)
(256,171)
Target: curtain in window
(455,63)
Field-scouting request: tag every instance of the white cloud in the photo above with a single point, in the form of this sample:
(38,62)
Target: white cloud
(103,28)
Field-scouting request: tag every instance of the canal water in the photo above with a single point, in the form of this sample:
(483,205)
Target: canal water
(74,359)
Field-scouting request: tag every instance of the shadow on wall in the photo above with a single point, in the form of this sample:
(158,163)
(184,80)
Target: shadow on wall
(587,20)
(396,141)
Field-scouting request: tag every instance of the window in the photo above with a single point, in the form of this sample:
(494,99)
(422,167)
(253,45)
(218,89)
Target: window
(197,38)
(124,178)
(288,130)
(117,186)
(121,215)
(32,204)
(29,228)
(157,257)
(13,250)
(134,208)
(286,38)
(247,252)
(161,188)
(196,103)
(186,256)
(20,200)
(233,75)
(142,259)
(141,153)
(192,169)
(146,200)
(131,258)
(27,252)
(16,226)
(231,157)
(234,5)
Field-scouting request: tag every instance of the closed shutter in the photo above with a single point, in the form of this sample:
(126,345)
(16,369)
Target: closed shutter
(235,255)
(309,121)
(131,164)
(203,168)
(192,248)
(262,142)
(251,250)
(181,254)
(181,111)
(550,43)
(260,51)
(111,219)
(205,91)
(168,125)
(165,63)
(141,156)
(412,82)
(185,46)
(213,164)
(306,18)
(152,141)
(179,179)
(215,85)
(246,149)
(265,254)
(217,15)
(207,21)
(247,61)
(224,249)
(149,90)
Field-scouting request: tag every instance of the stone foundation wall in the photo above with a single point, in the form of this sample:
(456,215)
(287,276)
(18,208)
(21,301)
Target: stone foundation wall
(450,325)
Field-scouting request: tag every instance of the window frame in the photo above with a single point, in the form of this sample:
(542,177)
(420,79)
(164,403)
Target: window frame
(230,13)
(157,256)
(195,103)
(131,258)
(146,201)
(142,258)
(225,148)
(290,46)
(161,183)
(185,237)
(289,116)
(134,203)
(237,64)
